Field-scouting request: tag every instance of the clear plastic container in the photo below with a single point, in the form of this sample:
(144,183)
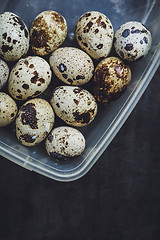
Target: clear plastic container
(109,120)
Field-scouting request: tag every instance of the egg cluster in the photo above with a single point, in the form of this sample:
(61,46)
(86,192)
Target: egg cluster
(31,74)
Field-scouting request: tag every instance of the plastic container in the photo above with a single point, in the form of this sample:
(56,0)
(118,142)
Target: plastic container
(107,122)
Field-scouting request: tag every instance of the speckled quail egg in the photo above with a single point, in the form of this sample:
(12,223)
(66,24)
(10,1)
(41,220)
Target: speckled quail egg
(112,77)
(94,33)
(8,109)
(48,32)
(72,65)
(132,41)
(34,121)
(4,73)
(64,143)
(14,37)
(29,78)
(74,105)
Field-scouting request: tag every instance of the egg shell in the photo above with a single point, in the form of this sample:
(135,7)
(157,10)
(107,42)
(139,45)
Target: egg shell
(72,65)
(64,143)
(132,41)
(29,78)
(8,109)
(48,32)
(34,121)
(74,105)
(112,77)
(94,33)
(14,37)
(4,73)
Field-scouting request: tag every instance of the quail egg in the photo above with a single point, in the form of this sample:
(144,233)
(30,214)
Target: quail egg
(94,33)
(48,32)
(112,77)
(4,73)
(74,105)
(14,37)
(72,65)
(64,143)
(34,121)
(8,109)
(29,78)
(132,41)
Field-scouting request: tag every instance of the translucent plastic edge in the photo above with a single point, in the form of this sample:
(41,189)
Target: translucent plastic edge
(127,107)
(31,164)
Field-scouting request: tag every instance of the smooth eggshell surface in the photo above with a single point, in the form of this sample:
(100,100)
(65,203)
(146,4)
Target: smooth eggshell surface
(72,65)
(4,73)
(34,121)
(74,105)
(132,41)
(14,37)
(112,77)
(94,33)
(8,109)
(64,143)
(48,31)
(29,78)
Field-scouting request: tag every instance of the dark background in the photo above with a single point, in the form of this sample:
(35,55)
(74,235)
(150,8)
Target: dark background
(118,199)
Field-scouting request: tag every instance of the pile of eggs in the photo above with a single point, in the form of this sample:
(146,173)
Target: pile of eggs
(31,75)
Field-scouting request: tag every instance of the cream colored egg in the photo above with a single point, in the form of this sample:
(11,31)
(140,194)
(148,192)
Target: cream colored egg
(74,105)
(132,41)
(34,121)
(14,37)
(94,33)
(112,77)
(48,32)
(29,78)
(72,65)
(4,73)
(64,143)
(8,109)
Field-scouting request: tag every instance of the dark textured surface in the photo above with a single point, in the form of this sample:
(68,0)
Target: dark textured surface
(118,199)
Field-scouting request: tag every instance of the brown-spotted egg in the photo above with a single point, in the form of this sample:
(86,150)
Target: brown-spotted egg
(4,73)
(111,78)
(94,33)
(14,37)
(64,143)
(132,41)
(74,105)
(29,78)
(8,109)
(34,121)
(72,65)
(47,33)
